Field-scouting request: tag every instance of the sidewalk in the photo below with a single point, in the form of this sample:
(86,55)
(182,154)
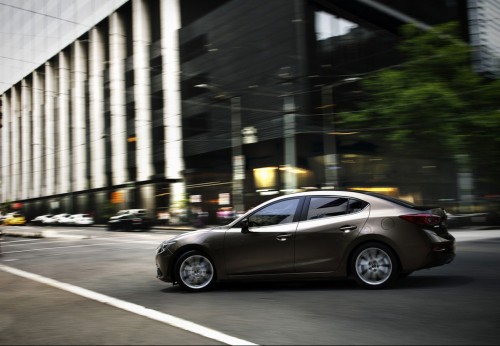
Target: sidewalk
(53,232)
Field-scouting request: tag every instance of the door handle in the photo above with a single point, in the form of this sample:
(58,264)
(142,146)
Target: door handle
(283,237)
(348,228)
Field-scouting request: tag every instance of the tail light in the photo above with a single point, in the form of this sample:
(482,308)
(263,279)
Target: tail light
(422,219)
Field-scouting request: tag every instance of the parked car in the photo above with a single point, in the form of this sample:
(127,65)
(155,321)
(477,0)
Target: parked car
(79,220)
(14,219)
(225,215)
(58,219)
(40,219)
(324,234)
(131,211)
(130,219)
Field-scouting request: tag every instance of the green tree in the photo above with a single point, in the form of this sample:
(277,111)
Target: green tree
(434,103)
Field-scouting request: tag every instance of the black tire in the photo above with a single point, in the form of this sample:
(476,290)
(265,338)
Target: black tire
(195,272)
(374,265)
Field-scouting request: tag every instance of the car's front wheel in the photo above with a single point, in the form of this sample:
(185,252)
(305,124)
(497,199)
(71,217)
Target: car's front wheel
(374,265)
(195,271)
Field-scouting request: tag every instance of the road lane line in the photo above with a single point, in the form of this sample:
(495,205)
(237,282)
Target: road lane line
(131,307)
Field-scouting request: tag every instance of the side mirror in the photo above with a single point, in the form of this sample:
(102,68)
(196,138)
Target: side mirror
(245,228)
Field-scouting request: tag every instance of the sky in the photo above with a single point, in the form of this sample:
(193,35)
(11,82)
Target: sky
(33,31)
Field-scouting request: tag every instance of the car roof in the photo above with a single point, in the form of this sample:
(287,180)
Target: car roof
(364,195)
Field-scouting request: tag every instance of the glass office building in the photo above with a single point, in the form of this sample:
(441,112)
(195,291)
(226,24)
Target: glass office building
(212,105)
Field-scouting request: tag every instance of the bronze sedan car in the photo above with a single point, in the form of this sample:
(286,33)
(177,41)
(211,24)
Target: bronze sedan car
(373,238)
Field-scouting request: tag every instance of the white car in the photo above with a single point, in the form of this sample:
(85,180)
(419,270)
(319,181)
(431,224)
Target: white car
(40,219)
(79,219)
(59,219)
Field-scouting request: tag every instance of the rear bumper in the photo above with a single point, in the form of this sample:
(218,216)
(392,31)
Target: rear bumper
(440,254)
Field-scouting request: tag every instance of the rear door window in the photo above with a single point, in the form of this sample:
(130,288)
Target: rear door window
(321,207)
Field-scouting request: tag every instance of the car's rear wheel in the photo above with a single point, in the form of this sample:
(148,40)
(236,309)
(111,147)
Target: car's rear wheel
(195,271)
(374,265)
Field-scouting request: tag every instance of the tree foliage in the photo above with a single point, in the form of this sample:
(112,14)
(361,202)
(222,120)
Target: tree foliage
(434,96)
(433,101)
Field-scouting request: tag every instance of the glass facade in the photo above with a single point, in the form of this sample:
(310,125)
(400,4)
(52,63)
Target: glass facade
(213,96)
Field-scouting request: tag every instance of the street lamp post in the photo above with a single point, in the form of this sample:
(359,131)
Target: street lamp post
(330,141)
(330,146)
(238,160)
(290,146)
(290,150)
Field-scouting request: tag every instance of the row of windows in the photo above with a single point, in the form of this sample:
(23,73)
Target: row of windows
(283,212)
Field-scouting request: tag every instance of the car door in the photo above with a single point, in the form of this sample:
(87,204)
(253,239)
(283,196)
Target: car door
(329,224)
(268,247)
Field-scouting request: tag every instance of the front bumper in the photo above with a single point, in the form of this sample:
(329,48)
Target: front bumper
(163,271)
(164,261)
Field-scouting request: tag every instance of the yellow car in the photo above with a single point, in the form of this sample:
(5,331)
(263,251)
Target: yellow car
(14,219)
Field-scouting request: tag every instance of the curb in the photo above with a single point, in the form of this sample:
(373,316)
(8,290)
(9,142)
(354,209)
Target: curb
(55,234)
(24,234)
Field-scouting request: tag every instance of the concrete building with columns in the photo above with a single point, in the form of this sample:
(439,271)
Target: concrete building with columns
(100,120)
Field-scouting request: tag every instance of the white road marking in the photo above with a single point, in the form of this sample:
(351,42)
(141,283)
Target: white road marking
(131,307)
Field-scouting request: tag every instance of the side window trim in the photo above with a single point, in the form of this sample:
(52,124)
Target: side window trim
(305,209)
(359,211)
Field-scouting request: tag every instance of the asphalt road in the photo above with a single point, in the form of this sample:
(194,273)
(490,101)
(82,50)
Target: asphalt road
(123,302)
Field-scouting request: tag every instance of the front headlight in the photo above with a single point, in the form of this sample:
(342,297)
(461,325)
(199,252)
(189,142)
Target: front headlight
(164,246)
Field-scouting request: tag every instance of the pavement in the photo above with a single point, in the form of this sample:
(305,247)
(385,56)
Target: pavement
(53,232)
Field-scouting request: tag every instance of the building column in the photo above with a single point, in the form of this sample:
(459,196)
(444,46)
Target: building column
(64,124)
(15,146)
(174,159)
(117,56)
(290,145)
(96,95)
(27,138)
(48,147)
(79,157)
(6,147)
(142,88)
(38,132)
